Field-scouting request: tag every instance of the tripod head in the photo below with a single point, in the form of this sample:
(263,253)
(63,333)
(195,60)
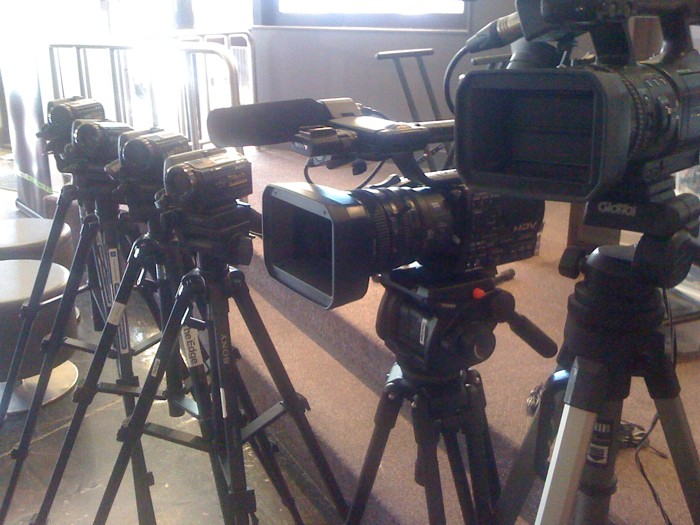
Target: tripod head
(664,254)
(439,326)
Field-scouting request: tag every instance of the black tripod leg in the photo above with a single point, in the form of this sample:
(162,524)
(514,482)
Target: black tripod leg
(132,429)
(99,313)
(521,477)
(265,452)
(190,345)
(50,348)
(223,358)
(662,384)
(173,377)
(294,404)
(384,420)
(427,468)
(85,393)
(459,475)
(683,451)
(31,308)
(482,463)
(111,279)
(148,296)
(531,458)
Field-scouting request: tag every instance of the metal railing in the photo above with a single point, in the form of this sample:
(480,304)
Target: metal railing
(171,84)
(240,44)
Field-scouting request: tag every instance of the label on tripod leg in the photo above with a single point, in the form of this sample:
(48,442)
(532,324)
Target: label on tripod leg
(601,442)
(190,347)
(155,367)
(114,269)
(224,408)
(115,313)
(423,331)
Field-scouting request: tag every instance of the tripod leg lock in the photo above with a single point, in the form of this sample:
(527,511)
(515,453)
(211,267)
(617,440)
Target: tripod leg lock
(28,312)
(128,381)
(35,520)
(127,432)
(83,395)
(49,344)
(20,453)
(300,406)
(243,502)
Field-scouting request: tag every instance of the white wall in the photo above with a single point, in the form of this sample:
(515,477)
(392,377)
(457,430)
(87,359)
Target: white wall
(295,62)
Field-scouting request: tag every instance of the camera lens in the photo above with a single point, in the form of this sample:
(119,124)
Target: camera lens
(145,154)
(97,141)
(409,224)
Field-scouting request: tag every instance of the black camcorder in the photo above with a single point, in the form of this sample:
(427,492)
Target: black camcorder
(200,201)
(325,243)
(204,180)
(612,131)
(97,141)
(142,155)
(94,144)
(61,113)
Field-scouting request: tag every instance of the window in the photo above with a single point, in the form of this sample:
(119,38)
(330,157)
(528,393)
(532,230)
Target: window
(435,14)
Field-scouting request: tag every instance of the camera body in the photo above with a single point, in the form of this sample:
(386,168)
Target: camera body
(613,130)
(203,180)
(325,244)
(201,202)
(142,155)
(61,113)
(96,141)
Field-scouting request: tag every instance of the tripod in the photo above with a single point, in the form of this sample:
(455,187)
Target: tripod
(160,248)
(611,334)
(227,416)
(450,328)
(97,250)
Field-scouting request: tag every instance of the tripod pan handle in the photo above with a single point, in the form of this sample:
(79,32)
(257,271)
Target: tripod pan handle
(532,335)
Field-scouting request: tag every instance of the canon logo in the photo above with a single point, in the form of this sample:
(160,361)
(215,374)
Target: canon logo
(616,208)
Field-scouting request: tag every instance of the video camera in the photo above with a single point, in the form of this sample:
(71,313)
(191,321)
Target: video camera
(93,145)
(142,155)
(61,113)
(200,201)
(325,244)
(81,139)
(609,132)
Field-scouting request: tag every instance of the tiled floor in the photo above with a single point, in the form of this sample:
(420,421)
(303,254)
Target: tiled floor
(183,492)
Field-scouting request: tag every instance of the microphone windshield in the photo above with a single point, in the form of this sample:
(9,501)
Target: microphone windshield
(264,123)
